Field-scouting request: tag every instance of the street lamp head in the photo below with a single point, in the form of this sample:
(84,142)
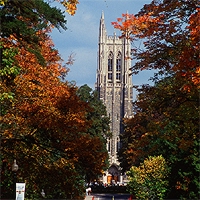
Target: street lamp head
(14,166)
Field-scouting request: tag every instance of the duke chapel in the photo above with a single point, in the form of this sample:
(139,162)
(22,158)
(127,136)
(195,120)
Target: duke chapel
(114,85)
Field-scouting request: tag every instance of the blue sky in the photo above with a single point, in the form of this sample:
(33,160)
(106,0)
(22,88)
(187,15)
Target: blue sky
(81,37)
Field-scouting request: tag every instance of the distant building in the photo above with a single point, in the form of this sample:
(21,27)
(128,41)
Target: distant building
(114,85)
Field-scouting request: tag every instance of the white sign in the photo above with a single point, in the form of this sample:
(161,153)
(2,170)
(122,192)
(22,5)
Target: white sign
(20,191)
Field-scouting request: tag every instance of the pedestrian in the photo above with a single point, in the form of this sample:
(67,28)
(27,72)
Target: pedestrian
(88,191)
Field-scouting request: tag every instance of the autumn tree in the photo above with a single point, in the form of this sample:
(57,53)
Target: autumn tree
(21,20)
(165,122)
(50,129)
(35,122)
(166,114)
(170,31)
(43,121)
(148,181)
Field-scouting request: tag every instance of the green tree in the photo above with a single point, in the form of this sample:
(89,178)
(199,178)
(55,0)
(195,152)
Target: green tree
(97,116)
(23,19)
(98,113)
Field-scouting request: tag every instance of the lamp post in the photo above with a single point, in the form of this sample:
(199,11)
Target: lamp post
(14,169)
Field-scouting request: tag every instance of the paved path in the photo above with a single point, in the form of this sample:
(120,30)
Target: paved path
(108,197)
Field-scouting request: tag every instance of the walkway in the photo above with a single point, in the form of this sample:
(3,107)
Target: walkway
(108,197)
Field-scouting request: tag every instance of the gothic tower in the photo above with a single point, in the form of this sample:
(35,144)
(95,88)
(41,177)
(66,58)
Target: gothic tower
(114,85)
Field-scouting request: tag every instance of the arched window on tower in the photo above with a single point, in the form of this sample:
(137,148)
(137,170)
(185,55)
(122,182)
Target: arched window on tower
(118,66)
(110,66)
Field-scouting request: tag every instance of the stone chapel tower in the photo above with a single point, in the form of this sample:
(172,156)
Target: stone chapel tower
(114,85)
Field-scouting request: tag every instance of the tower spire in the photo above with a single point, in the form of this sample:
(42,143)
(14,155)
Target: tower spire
(102,15)
(102,28)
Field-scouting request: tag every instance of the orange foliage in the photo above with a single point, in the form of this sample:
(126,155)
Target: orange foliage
(70,5)
(39,90)
(194,27)
(151,24)
(131,25)
(44,102)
